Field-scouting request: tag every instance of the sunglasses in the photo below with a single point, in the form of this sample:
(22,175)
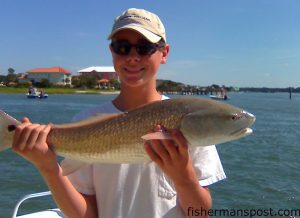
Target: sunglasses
(143,48)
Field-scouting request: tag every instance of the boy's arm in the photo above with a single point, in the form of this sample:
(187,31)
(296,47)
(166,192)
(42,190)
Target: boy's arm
(173,158)
(30,142)
(68,199)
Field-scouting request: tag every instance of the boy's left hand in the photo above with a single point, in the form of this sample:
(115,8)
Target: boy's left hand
(172,156)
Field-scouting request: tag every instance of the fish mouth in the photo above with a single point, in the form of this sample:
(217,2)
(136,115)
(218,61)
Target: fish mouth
(242,132)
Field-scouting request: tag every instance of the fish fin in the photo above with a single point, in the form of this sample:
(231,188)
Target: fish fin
(105,116)
(6,133)
(70,166)
(92,119)
(156,135)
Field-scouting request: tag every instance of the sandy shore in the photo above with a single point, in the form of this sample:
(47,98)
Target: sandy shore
(110,93)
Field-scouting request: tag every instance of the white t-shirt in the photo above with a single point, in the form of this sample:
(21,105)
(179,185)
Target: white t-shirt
(139,190)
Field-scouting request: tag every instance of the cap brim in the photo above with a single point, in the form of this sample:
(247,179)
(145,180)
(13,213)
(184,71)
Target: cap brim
(152,37)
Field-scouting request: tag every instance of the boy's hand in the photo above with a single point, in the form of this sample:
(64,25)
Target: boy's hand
(30,142)
(172,156)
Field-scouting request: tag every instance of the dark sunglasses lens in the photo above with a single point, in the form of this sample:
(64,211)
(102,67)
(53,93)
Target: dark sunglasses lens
(145,49)
(121,47)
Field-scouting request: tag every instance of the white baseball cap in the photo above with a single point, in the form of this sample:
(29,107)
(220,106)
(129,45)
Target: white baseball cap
(142,21)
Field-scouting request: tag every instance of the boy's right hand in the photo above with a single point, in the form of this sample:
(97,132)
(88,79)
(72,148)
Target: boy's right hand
(30,142)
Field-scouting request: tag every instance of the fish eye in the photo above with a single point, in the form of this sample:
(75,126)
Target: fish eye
(235,117)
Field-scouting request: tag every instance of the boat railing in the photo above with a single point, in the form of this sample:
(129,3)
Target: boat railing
(24,198)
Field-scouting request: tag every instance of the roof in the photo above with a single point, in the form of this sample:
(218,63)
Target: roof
(98,69)
(103,81)
(49,70)
(22,76)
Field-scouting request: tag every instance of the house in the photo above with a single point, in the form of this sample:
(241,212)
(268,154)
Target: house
(55,75)
(106,72)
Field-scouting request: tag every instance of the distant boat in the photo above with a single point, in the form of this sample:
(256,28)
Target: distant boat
(34,93)
(219,97)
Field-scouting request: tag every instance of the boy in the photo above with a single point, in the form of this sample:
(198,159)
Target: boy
(173,185)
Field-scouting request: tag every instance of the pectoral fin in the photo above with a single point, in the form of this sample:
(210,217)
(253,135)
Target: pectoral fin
(156,135)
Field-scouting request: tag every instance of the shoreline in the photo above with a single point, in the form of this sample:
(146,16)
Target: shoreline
(12,90)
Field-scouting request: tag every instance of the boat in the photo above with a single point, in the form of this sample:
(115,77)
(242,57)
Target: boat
(34,93)
(219,97)
(49,213)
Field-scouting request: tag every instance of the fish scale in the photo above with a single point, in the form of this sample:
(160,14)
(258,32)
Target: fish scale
(118,140)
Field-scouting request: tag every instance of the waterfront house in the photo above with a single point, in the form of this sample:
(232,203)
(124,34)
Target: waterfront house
(102,72)
(55,75)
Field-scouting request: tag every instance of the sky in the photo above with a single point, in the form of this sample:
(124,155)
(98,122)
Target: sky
(242,43)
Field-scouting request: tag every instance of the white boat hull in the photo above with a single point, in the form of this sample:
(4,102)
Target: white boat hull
(51,213)
(216,97)
(36,95)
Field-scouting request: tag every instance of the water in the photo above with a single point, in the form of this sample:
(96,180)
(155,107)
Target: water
(262,169)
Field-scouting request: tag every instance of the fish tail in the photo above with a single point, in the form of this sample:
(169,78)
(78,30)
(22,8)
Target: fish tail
(7,125)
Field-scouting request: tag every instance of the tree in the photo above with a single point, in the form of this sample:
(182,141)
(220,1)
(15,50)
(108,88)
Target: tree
(115,83)
(88,81)
(67,80)
(76,81)
(45,83)
(11,78)
(10,71)
(2,78)
(168,85)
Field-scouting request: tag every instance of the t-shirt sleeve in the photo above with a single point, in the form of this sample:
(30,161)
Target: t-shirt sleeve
(82,180)
(207,164)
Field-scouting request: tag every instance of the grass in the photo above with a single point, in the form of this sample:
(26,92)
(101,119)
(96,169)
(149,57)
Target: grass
(12,90)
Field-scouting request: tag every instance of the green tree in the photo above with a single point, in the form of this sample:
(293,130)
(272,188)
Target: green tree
(115,83)
(11,78)
(88,81)
(67,80)
(45,83)
(2,78)
(76,81)
(10,71)
(169,85)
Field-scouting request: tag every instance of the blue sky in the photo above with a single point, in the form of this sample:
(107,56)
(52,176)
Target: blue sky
(246,43)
